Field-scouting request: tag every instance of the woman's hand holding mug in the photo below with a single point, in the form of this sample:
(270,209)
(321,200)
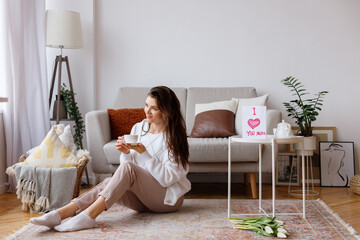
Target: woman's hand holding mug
(121,145)
(124,147)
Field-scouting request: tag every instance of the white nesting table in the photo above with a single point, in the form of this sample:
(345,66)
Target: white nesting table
(270,139)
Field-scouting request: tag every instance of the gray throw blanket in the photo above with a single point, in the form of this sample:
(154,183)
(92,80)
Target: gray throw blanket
(44,189)
(26,177)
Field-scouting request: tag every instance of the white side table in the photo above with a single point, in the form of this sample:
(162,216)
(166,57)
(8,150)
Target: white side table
(270,139)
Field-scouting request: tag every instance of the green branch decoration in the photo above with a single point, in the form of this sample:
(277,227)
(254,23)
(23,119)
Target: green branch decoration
(304,111)
(74,114)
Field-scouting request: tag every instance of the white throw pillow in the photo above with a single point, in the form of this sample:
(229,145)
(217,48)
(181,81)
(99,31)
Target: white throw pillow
(222,105)
(67,138)
(28,153)
(51,153)
(59,129)
(256,101)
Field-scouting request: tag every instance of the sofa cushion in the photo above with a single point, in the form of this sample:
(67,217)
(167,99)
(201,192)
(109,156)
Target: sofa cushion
(122,120)
(256,101)
(205,150)
(205,95)
(214,119)
(111,153)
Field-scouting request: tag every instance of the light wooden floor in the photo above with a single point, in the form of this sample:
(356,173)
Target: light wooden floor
(340,200)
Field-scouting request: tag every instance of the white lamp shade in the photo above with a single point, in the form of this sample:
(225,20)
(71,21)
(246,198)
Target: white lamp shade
(63,29)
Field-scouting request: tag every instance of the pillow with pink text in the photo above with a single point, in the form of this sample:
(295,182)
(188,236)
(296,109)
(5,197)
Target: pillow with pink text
(256,101)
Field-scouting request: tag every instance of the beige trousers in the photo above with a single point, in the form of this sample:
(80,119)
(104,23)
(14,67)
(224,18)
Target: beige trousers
(132,187)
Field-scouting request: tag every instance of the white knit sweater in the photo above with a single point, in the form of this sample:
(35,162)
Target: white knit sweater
(157,162)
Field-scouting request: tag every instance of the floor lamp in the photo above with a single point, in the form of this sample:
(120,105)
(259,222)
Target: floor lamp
(63,30)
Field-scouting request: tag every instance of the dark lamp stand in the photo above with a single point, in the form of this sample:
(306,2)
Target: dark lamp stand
(58,63)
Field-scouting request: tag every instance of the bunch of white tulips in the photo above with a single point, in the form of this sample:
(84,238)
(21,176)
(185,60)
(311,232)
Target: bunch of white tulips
(265,226)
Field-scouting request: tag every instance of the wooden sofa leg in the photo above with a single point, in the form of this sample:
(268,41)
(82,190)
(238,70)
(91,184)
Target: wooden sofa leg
(246,179)
(253,185)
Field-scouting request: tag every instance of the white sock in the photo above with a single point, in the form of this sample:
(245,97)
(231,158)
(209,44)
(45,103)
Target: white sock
(50,219)
(79,222)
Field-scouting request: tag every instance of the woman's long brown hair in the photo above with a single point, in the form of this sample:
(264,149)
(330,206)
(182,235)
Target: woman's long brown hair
(175,128)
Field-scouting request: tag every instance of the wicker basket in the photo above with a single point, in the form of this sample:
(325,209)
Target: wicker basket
(355,184)
(80,167)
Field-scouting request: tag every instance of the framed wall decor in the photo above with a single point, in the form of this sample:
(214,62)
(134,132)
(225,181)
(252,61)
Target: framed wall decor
(287,167)
(336,163)
(321,134)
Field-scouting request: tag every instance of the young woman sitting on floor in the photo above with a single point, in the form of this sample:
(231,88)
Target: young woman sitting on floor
(151,175)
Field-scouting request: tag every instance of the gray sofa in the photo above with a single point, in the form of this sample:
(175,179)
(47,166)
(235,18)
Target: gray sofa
(207,155)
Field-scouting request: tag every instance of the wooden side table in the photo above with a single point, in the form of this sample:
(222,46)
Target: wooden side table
(270,139)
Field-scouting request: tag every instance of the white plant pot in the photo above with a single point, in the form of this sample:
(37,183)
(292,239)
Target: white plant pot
(309,146)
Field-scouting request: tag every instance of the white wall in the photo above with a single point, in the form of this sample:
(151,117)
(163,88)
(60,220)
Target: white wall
(223,43)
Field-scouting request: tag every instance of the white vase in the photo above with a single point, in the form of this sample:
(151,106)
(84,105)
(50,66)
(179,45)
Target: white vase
(309,146)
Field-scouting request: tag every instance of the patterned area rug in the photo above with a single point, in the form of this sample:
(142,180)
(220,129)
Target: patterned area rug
(202,219)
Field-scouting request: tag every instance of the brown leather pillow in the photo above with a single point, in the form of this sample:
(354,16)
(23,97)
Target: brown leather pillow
(122,120)
(214,119)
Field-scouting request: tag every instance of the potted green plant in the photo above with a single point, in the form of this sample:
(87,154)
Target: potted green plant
(303,110)
(73,111)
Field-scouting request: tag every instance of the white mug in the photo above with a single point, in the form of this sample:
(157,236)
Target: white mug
(131,139)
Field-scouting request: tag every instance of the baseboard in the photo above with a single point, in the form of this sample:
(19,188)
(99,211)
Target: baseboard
(3,188)
(223,177)
(316,181)
(235,178)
